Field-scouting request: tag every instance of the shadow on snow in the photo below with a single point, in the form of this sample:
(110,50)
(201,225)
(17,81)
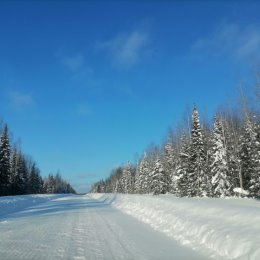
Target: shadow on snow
(63,205)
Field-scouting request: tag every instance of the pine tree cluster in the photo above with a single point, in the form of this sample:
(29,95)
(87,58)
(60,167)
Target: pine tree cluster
(219,162)
(20,175)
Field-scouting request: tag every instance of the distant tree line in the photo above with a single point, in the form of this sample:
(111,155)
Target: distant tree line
(199,160)
(55,184)
(20,175)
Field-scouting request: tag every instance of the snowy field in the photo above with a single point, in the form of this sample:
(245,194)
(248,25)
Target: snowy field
(220,228)
(81,228)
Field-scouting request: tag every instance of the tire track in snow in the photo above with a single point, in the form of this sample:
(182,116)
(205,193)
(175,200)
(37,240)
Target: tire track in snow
(81,228)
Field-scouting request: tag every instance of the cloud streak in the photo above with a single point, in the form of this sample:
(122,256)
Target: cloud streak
(74,62)
(19,100)
(230,40)
(126,50)
(83,110)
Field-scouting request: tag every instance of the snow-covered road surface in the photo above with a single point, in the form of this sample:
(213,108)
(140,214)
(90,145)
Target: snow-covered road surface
(81,227)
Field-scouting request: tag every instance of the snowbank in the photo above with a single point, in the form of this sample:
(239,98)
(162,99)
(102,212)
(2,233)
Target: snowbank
(221,228)
(11,204)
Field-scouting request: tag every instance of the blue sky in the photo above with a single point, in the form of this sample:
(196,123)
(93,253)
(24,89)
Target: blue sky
(86,85)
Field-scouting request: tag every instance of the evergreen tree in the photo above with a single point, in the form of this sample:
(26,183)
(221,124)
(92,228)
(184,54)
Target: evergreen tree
(158,179)
(14,178)
(221,186)
(197,176)
(19,174)
(22,173)
(246,150)
(211,163)
(182,171)
(151,159)
(35,180)
(255,178)
(5,163)
(127,178)
(144,175)
(118,179)
(250,158)
(55,184)
(138,178)
(169,166)
(232,151)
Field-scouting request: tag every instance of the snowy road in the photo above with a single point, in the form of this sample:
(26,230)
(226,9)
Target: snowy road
(80,227)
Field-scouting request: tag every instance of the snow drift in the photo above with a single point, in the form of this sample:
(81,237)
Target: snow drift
(11,204)
(221,228)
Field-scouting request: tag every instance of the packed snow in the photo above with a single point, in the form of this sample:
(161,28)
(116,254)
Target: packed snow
(241,191)
(12,204)
(123,226)
(80,227)
(220,228)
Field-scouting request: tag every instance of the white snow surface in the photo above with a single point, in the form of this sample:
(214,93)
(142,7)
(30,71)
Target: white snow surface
(11,204)
(75,227)
(241,191)
(219,228)
(95,226)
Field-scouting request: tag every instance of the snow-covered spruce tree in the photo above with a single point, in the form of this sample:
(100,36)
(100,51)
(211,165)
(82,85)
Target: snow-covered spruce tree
(182,169)
(207,134)
(169,166)
(198,182)
(19,174)
(254,188)
(35,180)
(116,186)
(48,184)
(250,158)
(255,181)
(5,165)
(14,178)
(232,152)
(113,183)
(138,174)
(247,164)
(120,184)
(55,184)
(22,172)
(127,178)
(158,180)
(221,185)
(144,175)
(152,155)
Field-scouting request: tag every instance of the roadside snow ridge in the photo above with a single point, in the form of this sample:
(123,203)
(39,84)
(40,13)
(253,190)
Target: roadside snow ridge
(222,228)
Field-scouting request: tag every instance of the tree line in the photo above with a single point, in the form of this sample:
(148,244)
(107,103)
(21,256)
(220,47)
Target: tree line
(200,160)
(20,175)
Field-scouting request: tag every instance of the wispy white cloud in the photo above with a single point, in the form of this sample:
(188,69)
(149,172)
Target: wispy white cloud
(73,62)
(76,64)
(231,40)
(251,44)
(83,110)
(126,49)
(19,100)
